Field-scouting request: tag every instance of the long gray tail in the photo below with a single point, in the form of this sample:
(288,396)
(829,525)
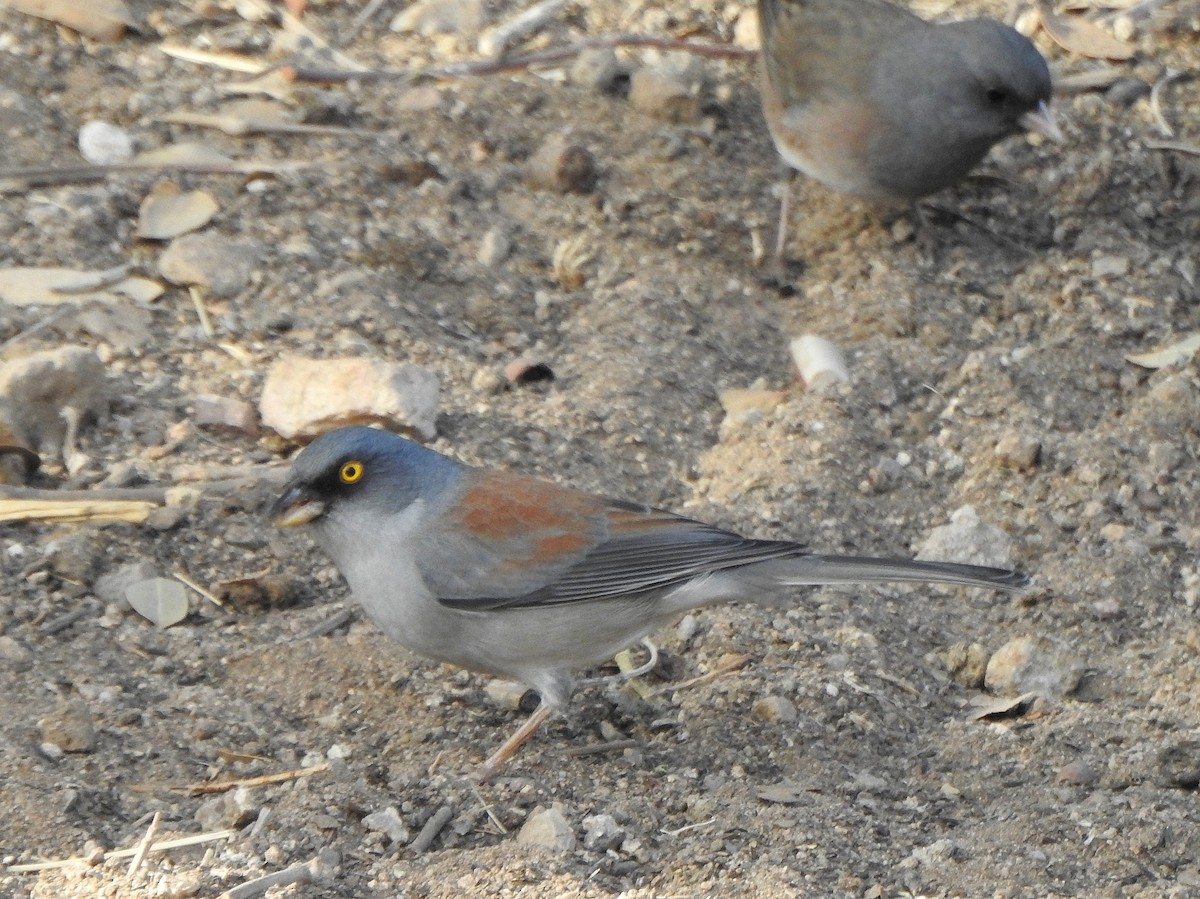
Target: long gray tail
(818,569)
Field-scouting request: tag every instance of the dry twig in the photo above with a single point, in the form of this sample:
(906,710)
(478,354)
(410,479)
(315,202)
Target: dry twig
(177,843)
(432,828)
(222,786)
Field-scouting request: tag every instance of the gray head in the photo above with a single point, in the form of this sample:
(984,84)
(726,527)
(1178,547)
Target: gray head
(360,469)
(1008,76)
(950,92)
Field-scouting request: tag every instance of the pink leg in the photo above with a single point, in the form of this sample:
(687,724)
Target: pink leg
(498,759)
(784,209)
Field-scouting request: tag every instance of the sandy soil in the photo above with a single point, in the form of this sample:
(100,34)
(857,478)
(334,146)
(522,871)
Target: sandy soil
(1045,272)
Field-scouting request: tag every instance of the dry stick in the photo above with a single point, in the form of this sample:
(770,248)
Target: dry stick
(222,786)
(64,621)
(330,624)
(178,843)
(1177,146)
(46,322)
(432,828)
(731,665)
(597,748)
(97,494)
(1156,93)
(515,63)
(35,175)
(520,27)
(188,582)
(304,872)
(143,848)
(206,325)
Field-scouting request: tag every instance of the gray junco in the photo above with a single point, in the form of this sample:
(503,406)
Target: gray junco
(507,574)
(873,101)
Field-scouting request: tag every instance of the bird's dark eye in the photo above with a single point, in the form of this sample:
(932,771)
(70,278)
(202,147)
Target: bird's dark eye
(997,96)
(351,471)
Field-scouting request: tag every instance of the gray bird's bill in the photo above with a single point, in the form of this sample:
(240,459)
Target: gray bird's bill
(1041,121)
(296,507)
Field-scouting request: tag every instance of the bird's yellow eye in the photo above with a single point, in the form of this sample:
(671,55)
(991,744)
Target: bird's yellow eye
(350,472)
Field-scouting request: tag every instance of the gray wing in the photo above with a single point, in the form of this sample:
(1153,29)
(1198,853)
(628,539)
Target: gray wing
(645,550)
(813,48)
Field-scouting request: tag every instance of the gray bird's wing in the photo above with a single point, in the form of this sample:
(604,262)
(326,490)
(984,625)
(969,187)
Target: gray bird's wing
(823,48)
(645,550)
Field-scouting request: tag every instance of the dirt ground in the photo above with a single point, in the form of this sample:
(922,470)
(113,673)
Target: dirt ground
(841,757)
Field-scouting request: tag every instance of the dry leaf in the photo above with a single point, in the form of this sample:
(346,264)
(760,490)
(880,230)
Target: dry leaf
(1078,35)
(1180,351)
(51,286)
(185,154)
(167,212)
(161,600)
(987,709)
(232,62)
(103,20)
(787,792)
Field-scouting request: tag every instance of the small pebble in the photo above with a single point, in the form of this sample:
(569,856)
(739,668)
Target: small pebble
(224,413)
(661,94)
(1017,450)
(524,371)
(69,727)
(562,167)
(597,68)
(433,17)
(388,822)
(602,833)
(494,248)
(1110,267)
(966,663)
(1127,91)
(1077,774)
(103,143)
(14,656)
(774,708)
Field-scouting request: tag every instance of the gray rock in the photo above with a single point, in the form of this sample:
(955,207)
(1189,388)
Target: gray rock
(597,68)
(13,655)
(1033,665)
(1017,450)
(546,827)
(220,265)
(234,809)
(602,832)
(967,538)
(304,397)
(562,166)
(74,557)
(388,822)
(70,728)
